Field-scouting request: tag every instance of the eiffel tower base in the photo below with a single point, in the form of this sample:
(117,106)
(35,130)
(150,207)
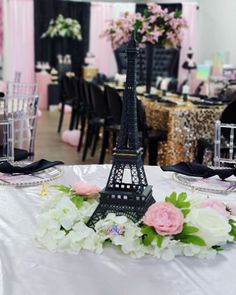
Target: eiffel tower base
(131,204)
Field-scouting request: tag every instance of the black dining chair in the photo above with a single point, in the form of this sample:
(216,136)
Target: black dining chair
(76,104)
(67,96)
(97,115)
(86,110)
(112,124)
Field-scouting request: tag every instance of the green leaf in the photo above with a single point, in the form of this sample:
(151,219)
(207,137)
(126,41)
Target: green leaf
(189,229)
(146,13)
(78,201)
(182,197)
(232,221)
(62,188)
(149,234)
(178,201)
(192,239)
(178,13)
(233,228)
(65,230)
(159,240)
(172,198)
(84,198)
(181,205)
(185,212)
(217,248)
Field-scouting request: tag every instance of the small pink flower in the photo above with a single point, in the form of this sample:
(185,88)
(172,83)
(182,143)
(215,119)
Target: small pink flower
(165,218)
(86,189)
(216,205)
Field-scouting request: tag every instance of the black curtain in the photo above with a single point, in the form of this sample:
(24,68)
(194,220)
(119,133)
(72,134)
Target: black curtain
(46,49)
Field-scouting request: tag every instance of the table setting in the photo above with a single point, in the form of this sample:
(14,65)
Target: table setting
(26,266)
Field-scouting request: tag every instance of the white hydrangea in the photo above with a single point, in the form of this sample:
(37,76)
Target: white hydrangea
(59,217)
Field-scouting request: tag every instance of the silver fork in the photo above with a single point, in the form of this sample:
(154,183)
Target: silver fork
(231,187)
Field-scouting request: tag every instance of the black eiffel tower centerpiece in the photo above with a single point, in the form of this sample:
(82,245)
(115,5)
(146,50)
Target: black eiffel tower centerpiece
(127,191)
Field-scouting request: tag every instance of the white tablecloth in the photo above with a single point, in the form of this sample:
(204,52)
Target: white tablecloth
(26,269)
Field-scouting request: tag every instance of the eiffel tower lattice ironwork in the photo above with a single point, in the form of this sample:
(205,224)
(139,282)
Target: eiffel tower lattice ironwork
(132,198)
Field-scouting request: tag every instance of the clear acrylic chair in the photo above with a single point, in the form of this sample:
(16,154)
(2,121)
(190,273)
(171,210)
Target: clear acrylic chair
(7,140)
(23,110)
(224,144)
(15,88)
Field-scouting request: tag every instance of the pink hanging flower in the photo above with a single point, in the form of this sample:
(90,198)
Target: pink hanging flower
(86,189)
(155,23)
(155,8)
(165,218)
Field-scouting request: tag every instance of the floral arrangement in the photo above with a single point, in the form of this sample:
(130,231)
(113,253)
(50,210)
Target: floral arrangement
(63,27)
(173,227)
(156,26)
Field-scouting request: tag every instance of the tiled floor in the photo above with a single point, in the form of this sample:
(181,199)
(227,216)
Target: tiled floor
(50,146)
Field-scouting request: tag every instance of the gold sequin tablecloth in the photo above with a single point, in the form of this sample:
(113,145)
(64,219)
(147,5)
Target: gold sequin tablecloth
(185,125)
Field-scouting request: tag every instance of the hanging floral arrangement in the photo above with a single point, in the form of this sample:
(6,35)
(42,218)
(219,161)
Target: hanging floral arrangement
(156,26)
(63,27)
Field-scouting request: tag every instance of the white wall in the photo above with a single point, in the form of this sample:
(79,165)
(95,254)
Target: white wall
(217,23)
(216,28)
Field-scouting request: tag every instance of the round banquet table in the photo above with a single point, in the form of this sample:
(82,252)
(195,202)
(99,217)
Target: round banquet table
(27,269)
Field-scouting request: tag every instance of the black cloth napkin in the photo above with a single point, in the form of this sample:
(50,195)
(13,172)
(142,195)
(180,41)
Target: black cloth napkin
(43,164)
(199,170)
(207,103)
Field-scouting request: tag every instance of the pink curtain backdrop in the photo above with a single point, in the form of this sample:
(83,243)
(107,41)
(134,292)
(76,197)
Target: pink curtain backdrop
(100,47)
(190,39)
(20,57)
(100,14)
(43,79)
(1,28)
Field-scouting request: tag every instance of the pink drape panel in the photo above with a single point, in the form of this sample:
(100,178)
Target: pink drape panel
(43,79)
(1,27)
(100,14)
(190,36)
(20,57)
(100,47)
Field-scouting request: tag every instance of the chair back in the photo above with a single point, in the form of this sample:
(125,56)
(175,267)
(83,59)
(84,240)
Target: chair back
(15,89)
(114,102)
(85,94)
(23,111)
(228,116)
(67,88)
(98,100)
(224,153)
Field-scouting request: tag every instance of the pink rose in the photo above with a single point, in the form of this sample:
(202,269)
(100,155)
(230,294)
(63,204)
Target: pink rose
(165,218)
(86,189)
(217,205)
